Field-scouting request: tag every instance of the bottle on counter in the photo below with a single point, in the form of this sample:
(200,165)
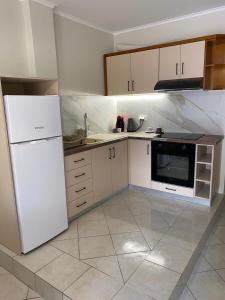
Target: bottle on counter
(120,123)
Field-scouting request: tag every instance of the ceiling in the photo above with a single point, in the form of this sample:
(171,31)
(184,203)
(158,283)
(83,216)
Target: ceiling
(117,15)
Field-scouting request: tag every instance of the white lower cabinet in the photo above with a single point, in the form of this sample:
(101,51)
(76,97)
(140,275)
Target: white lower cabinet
(139,162)
(110,171)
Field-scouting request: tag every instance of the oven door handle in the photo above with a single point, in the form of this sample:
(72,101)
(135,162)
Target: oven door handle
(169,189)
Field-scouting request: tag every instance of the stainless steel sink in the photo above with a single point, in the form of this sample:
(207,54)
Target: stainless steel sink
(81,142)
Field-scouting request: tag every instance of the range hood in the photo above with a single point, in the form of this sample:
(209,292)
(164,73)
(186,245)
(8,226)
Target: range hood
(179,84)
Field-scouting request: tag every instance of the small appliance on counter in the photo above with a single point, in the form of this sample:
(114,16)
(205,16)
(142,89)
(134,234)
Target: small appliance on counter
(120,123)
(132,125)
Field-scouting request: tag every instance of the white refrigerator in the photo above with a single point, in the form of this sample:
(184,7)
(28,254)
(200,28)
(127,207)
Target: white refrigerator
(35,141)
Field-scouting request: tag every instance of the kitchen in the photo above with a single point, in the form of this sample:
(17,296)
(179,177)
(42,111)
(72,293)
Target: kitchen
(119,236)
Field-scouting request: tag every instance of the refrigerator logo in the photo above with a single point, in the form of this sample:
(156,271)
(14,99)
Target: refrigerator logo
(39,127)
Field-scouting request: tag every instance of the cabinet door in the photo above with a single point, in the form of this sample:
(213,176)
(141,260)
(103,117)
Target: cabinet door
(192,60)
(119,166)
(118,74)
(102,180)
(140,163)
(169,63)
(144,70)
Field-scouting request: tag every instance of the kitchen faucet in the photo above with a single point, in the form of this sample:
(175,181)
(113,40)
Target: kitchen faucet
(85,125)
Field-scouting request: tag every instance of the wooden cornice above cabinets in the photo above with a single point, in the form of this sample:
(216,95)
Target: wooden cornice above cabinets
(136,71)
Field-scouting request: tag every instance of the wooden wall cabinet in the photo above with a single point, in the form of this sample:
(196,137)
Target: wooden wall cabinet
(137,71)
(133,73)
(110,171)
(139,153)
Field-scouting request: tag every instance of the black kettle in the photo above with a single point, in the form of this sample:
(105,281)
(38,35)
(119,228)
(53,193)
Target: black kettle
(132,125)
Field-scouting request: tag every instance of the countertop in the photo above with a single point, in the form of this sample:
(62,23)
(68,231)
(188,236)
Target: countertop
(109,138)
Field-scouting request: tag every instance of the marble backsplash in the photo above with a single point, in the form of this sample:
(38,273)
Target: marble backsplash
(190,111)
(101,113)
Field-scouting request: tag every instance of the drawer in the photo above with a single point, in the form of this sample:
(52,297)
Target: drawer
(77,206)
(174,189)
(78,175)
(78,190)
(77,160)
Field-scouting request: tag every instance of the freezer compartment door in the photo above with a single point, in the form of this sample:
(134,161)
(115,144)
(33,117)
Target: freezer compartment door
(38,171)
(32,117)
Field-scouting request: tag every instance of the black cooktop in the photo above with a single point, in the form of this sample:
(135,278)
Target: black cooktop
(180,136)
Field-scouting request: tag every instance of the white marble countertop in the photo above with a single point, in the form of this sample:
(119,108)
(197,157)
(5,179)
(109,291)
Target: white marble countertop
(115,136)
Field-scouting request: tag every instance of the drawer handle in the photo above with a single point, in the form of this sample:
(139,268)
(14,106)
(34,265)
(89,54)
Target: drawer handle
(83,189)
(171,189)
(79,205)
(77,176)
(79,160)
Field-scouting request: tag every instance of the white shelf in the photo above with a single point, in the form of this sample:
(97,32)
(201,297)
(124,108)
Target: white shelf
(204,176)
(202,190)
(205,159)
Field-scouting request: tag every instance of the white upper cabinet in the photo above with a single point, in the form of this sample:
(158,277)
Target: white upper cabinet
(118,74)
(133,73)
(169,63)
(182,61)
(192,60)
(144,71)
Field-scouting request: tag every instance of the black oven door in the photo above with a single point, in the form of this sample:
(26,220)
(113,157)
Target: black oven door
(173,163)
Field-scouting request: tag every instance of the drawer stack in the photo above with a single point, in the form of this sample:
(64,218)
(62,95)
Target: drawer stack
(78,182)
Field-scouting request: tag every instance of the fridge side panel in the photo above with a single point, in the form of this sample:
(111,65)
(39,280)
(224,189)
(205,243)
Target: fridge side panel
(38,169)
(32,117)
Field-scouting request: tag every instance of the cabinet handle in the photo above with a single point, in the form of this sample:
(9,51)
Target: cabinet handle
(148,152)
(79,205)
(83,189)
(79,160)
(110,153)
(114,152)
(177,68)
(77,176)
(182,69)
(128,85)
(133,85)
(174,190)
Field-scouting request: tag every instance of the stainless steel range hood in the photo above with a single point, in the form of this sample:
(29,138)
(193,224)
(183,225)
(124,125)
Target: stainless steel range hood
(179,84)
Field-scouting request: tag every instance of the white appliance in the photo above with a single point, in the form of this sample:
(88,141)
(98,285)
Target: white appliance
(35,139)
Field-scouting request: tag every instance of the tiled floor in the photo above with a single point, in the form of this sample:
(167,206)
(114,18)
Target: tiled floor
(134,246)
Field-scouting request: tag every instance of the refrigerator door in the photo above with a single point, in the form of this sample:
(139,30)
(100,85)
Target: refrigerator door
(38,171)
(32,117)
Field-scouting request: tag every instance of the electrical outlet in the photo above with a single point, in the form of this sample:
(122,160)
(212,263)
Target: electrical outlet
(143,117)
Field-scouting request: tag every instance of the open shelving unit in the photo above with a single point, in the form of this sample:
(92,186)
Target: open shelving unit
(207,172)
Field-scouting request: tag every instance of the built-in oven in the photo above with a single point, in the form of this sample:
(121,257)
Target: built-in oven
(173,163)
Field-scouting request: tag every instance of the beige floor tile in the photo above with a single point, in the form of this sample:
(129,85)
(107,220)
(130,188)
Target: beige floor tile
(169,256)
(11,288)
(6,261)
(92,228)
(213,240)
(67,246)
(152,220)
(207,286)
(98,246)
(169,217)
(47,291)
(221,273)
(118,199)
(63,271)
(186,295)
(139,205)
(70,233)
(122,224)
(24,274)
(153,236)
(93,285)
(126,293)
(153,280)
(221,221)
(129,242)
(220,233)
(7,251)
(3,271)
(117,210)
(215,255)
(202,265)
(32,294)
(130,262)
(108,265)
(38,258)
(182,238)
(95,214)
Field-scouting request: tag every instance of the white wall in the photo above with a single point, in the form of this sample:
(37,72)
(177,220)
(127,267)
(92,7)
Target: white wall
(211,23)
(13,54)
(80,52)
